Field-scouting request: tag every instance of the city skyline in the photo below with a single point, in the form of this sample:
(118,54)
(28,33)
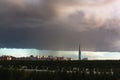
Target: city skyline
(72,54)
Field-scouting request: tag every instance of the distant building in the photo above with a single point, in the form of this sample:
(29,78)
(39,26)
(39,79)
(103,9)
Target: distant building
(60,58)
(6,57)
(68,59)
(79,55)
(85,59)
(31,57)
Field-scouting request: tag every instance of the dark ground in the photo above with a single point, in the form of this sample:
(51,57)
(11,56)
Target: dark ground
(60,70)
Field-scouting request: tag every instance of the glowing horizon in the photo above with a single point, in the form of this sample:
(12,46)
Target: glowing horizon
(73,54)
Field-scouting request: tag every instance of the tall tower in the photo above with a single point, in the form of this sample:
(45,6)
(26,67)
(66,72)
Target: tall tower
(79,55)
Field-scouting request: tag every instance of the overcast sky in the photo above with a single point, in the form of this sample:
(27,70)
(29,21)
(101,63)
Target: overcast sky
(60,24)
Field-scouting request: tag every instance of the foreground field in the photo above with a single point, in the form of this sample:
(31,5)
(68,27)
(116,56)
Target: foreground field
(59,70)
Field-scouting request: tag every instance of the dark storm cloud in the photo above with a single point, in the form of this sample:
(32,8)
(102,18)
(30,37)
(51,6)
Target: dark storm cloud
(29,24)
(58,39)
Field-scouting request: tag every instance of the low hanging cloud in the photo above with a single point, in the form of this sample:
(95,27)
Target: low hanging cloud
(60,24)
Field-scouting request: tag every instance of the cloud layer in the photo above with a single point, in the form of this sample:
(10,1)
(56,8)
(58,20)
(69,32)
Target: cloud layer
(60,24)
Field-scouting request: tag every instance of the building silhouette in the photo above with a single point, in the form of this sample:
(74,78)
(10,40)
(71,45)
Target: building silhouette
(79,55)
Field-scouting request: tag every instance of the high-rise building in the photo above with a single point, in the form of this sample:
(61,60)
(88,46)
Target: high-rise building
(79,55)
